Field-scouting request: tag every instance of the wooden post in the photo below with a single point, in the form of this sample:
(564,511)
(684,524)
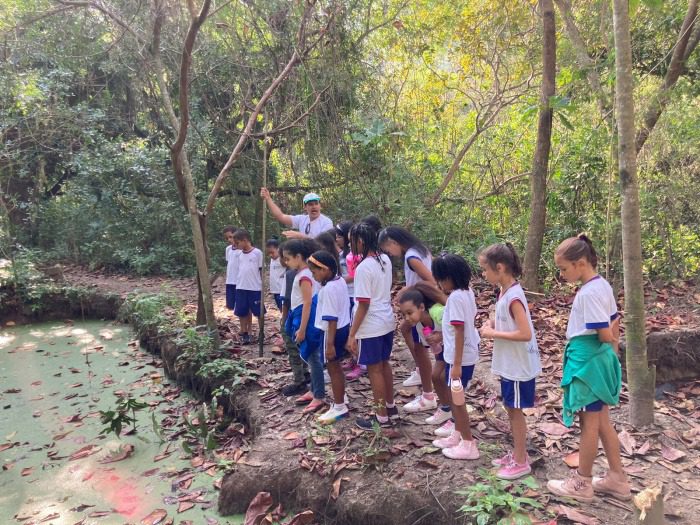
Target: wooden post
(261,319)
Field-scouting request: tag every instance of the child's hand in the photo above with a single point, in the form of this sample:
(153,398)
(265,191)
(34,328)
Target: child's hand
(264,193)
(435,338)
(487,331)
(293,234)
(300,336)
(330,353)
(351,345)
(455,372)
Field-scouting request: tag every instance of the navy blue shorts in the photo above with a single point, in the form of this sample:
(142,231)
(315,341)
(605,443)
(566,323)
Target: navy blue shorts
(230,296)
(278,301)
(373,350)
(247,301)
(518,394)
(341,337)
(440,357)
(596,406)
(467,373)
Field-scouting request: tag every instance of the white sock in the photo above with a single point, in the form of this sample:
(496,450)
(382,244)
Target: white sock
(340,406)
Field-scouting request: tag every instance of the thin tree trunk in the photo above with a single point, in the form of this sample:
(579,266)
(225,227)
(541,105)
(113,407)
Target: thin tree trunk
(640,377)
(540,164)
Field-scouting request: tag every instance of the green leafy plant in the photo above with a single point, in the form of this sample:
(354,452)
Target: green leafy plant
(494,501)
(151,310)
(197,348)
(197,431)
(123,415)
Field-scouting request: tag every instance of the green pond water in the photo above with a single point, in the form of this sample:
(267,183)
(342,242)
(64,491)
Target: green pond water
(54,380)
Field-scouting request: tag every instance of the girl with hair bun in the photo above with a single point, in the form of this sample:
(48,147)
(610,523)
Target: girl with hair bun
(592,376)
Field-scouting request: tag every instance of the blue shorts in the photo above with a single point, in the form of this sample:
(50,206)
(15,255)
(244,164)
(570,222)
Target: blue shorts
(467,373)
(374,350)
(414,334)
(440,358)
(230,296)
(596,406)
(518,394)
(247,301)
(278,301)
(341,337)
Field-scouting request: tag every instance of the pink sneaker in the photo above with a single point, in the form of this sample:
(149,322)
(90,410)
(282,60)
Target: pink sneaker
(503,461)
(463,450)
(617,489)
(514,470)
(446,442)
(355,373)
(575,487)
(348,365)
(446,429)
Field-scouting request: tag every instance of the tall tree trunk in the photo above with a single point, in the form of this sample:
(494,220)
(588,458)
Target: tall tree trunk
(540,164)
(640,377)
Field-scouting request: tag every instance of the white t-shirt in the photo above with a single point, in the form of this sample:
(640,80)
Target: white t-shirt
(594,307)
(232,255)
(514,360)
(297,298)
(249,265)
(311,228)
(411,276)
(276,276)
(460,309)
(373,285)
(333,304)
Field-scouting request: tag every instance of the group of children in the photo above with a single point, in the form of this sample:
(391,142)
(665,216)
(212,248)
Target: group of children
(335,295)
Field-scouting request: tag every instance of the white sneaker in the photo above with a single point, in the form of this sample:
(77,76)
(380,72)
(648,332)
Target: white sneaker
(420,404)
(452,440)
(439,417)
(326,377)
(413,379)
(346,400)
(446,429)
(333,415)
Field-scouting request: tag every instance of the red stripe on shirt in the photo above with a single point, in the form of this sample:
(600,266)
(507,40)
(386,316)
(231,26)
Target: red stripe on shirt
(362,299)
(305,278)
(457,323)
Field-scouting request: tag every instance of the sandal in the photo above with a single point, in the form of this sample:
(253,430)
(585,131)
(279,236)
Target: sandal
(315,405)
(304,399)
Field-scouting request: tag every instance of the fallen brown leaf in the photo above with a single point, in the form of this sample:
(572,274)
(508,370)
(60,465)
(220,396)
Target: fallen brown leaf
(575,516)
(155,517)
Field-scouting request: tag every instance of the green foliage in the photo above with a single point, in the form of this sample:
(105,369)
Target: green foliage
(151,310)
(196,348)
(196,431)
(226,368)
(124,414)
(494,501)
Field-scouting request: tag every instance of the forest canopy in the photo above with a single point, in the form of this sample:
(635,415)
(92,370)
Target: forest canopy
(423,112)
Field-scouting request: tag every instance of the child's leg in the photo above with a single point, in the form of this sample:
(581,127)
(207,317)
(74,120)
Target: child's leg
(519,429)
(388,375)
(318,388)
(295,360)
(337,381)
(439,383)
(611,444)
(462,423)
(420,356)
(588,450)
(377,382)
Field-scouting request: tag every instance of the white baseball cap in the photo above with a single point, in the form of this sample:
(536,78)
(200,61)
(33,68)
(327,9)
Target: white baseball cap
(310,197)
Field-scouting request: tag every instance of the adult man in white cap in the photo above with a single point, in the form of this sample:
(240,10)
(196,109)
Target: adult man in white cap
(308,224)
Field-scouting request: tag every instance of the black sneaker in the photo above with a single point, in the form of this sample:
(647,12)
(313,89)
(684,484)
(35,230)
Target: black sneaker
(294,389)
(367,423)
(393,413)
(245,339)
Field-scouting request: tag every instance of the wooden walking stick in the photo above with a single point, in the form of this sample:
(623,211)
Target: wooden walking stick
(261,319)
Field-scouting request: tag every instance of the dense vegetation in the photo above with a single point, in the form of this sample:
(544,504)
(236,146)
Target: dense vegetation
(411,95)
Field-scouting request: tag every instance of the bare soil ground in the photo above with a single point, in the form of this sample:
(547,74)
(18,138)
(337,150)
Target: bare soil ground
(284,449)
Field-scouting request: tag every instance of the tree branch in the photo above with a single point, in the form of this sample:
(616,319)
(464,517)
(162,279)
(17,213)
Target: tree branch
(661,99)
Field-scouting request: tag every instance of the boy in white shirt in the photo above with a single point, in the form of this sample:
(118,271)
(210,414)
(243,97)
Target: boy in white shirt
(248,283)
(277,271)
(232,253)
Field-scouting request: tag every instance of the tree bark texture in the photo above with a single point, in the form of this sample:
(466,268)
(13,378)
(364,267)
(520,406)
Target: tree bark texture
(540,164)
(640,377)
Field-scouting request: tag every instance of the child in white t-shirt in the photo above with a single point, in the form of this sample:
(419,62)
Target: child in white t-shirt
(461,343)
(333,319)
(516,358)
(372,331)
(277,271)
(248,284)
(232,253)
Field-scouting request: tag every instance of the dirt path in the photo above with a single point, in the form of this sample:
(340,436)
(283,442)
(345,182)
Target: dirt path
(666,452)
